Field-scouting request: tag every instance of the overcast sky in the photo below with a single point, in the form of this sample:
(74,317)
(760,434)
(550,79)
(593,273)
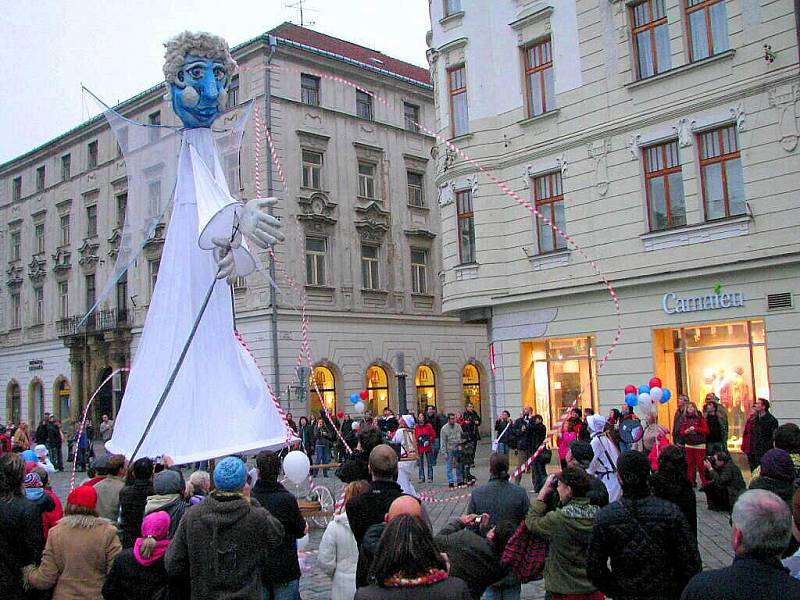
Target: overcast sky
(114,47)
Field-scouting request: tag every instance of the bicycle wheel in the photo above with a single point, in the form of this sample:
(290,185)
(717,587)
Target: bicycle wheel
(326,504)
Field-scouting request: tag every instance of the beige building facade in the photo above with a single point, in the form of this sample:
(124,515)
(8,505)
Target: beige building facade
(362,255)
(662,137)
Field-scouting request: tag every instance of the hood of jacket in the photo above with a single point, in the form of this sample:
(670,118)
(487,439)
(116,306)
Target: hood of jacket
(159,501)
(227,509)
(82,521)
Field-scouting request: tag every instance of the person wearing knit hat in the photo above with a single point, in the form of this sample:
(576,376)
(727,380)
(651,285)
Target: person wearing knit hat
(34,488)
(230,475)
(580,454)
(777,475)
(168,488)
(51,517)
(84,497)
(141,569)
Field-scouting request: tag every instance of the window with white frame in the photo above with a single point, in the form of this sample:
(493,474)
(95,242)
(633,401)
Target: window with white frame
(415,190)
(66,167)
(233,93)
(152,269)
(122,206)
(411,117)
(16,189)
(309,89)
(364,105)
(38,305)
(239,284)
(154,198)
(38,234)
(16,310)
(708,28)
(370,279)
(91,220)
(549,196)
(91,154)
(63,299)
(459,113)
(40,178)
(539,80)
(466,227)
(15,250)
(64,228)
(312,170)
(650,34)
(451,7)
(366,180)
(91,291)
(316,251)
(721,173)
(666,206)
(419,271)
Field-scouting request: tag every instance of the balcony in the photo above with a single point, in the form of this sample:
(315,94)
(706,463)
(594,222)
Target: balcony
(98,322)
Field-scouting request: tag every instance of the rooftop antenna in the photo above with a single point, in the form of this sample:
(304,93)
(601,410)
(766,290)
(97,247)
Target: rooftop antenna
(299,6)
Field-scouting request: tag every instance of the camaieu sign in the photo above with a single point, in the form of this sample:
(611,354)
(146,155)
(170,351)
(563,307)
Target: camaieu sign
(672,303)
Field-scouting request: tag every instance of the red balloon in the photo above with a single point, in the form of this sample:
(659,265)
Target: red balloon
(630,389)
(655,382)
(363,394)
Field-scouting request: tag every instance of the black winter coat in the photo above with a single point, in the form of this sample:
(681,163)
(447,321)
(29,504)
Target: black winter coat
(781,487)
(748,578)
(451,588)
(282,564)
(763,429)
(354,467)
(680,493)
(21,543)
(132,500)
(652,551)
(129,580)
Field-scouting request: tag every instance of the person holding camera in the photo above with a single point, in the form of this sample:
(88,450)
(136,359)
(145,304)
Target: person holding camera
(725,481)
(568,530)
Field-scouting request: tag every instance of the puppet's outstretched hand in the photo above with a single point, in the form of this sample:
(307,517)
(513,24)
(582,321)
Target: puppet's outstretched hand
(258,225)
(223,255)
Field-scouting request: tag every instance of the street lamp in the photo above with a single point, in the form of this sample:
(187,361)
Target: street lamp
(401,375)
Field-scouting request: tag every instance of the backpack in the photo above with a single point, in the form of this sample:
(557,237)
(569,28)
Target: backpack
(525,555)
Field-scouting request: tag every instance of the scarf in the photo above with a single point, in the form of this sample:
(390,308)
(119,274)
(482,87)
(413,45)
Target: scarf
(158,552)
(429,578)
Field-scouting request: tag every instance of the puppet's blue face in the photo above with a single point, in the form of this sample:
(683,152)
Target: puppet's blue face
(200,90)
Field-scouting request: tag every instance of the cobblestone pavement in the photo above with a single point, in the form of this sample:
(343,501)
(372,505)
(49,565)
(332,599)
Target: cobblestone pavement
(713,528)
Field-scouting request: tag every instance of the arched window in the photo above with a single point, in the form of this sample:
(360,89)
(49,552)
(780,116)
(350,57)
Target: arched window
(471,383)
(321,388)
(35,402)
(378,389)
(61,391)
(426,388)
(14,403)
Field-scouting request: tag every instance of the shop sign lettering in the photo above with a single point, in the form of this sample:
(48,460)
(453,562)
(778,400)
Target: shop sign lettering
(672,303)
(35,364)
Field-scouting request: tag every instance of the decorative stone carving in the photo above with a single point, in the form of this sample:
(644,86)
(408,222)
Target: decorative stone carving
(684,130)
(88,252)
(14,275)
(373,222)
(37,268)
(784,100)
(446,194)
(561,164)
(444,157)
(317,212)
(634,147)
(113,242)
(152,247)
(598,152)
(526,176)
(738,115)
(62,261)
(472,182)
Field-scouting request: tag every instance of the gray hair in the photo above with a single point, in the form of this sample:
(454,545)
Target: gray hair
(200,480)
(199,43)
(765,522)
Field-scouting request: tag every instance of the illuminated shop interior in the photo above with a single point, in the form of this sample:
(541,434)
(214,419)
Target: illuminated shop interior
(471,383)
(426,387)
(377,389)
(326,385)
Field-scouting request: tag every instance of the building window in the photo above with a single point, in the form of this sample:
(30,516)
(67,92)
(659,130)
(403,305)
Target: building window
(650,38)
(154,121)
(539,78)
(471,387)
(415,196)
(64,221)
(377,389)
(664,186)
(312,170)
(16,189)
(122,141)
(309,89)
(364,105)
(90,292)
(549,195)
(16,245)
(38,305)
(419,271)
(370,279)
(321,391)
(411,117)
(122,206)
(14,401)
(38,234)
(66,167)
(63,299)
(451,7)
(16,311)
(425,382)
(316,250)
(240,284)
(721,173)
(466,227)
(154,197)
(459,115)
(122,297)
(91,220)
(233,93)
(366,180)
(561,371)
(708,28)
(152,267)
(40,179)
(91,155)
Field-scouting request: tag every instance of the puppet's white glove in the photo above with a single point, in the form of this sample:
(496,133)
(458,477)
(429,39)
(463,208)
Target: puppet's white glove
(223,255)
(257,224)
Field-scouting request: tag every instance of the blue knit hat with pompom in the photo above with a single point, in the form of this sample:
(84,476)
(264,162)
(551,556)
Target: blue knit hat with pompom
(230,474)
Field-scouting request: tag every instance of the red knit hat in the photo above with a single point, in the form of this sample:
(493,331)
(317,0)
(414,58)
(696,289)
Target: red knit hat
(84,495)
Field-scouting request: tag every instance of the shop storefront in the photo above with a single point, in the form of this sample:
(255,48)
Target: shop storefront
(377,389)
(425,382)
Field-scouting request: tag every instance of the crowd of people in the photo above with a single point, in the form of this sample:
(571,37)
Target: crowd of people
(617,518)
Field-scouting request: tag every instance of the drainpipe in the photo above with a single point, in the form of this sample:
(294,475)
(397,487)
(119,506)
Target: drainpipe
(272,46)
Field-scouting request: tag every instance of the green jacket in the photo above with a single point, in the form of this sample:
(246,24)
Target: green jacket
(568,530)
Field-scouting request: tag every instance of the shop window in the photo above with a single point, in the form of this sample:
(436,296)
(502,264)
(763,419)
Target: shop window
(425,381)
(559,371)
(721,173)
(664,186)
(377,389)
(471,384)
(321,390)
(14,403)
(650,34)
(728,360)
(708,28)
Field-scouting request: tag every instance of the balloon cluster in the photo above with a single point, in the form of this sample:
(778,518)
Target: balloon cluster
(647,396)
(357,399)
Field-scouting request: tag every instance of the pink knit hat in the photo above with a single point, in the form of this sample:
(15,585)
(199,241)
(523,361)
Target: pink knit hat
(156,525)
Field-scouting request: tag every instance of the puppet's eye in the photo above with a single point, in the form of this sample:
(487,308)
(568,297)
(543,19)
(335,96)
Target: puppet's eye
(219,73)
(196,72)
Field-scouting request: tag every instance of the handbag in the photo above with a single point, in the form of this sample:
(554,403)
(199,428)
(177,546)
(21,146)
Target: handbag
(524,555)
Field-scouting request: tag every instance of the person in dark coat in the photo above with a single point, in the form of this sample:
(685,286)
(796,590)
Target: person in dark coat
(169,488)
(21,534)
(647,540)
(725,482)
(523,433)
(133,499)
(356,466)
(670,483)
(764,428)
(282,576)
(371,508)
(580,454)
(499,498)
(777,475)
(762,526)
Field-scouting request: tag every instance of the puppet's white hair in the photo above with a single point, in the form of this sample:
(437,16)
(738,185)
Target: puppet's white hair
(199,43)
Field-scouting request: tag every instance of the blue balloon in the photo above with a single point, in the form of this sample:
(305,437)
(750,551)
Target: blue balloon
(665,396)
(644,389)
(631,400)
(354,398)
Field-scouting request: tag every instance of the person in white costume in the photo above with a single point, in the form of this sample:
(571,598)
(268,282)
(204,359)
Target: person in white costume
(219,403)
(606,454)
(405,467)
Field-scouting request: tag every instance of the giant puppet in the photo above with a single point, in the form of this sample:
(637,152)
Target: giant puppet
(213,400)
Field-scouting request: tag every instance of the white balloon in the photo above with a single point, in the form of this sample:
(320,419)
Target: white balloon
(296,466)
(301,543)
(644,398)
(356,425)
(360,407)
(656,393)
